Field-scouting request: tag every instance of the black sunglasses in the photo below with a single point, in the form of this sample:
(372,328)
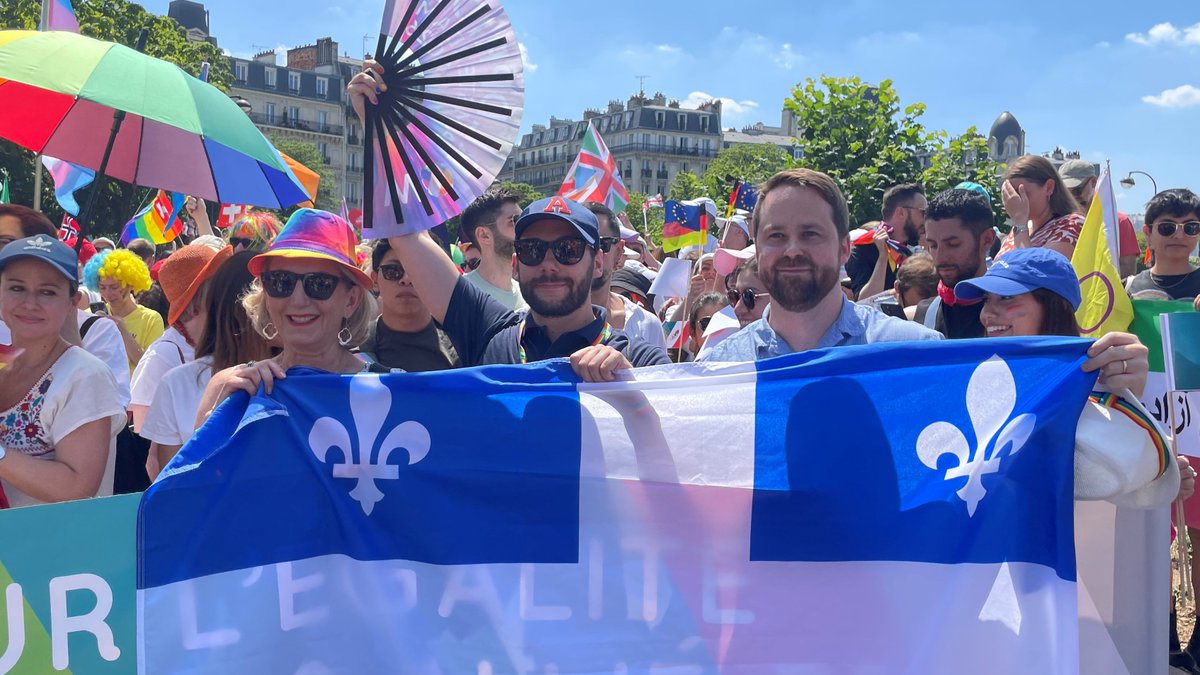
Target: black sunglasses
(472,263)
(567,250)
(747,297)
(1167,228)
(703,323)
(317,285)
(241,241)
(392,271)
(606,243)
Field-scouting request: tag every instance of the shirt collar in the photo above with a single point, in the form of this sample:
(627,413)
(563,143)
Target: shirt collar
(848,325)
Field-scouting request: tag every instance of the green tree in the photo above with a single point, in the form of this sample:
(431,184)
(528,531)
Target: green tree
(116,21)
(858,133)
(528,193)
(963,158)
(329,193)
(747,163)
(651,223)
(686,186)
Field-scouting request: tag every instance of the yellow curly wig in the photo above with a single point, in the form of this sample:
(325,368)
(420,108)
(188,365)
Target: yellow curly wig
(127,268)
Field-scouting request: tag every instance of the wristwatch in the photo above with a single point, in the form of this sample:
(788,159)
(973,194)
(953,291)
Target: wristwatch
(1022,228)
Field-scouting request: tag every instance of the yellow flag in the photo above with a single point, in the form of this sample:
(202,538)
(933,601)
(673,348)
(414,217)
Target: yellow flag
(1105,306)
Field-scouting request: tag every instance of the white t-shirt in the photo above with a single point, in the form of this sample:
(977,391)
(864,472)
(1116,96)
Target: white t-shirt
(165,353)
(77,389)
(643,325)
(171,419)
(103,340)
(510,298)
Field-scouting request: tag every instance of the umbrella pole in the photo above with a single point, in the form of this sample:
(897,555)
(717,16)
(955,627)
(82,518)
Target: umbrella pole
(85,216)
(37,182)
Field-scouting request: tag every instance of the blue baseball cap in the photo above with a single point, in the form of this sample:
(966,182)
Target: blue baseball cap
(565,210)
(47,249)
(1025,270)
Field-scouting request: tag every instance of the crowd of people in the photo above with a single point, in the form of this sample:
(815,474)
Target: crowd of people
(118,354)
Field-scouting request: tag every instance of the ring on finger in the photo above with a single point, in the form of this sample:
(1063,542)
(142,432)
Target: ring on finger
(1124,367)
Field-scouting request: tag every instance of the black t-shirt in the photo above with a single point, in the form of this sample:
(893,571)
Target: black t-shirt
(1176,286)
(426,350)
(956,322)
(861,265)
(486,332)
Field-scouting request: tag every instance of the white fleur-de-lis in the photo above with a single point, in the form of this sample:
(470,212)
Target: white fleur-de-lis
(991,398)
(370,402)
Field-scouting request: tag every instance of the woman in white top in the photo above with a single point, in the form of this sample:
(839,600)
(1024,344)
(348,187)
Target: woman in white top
(59,407)
(228,339)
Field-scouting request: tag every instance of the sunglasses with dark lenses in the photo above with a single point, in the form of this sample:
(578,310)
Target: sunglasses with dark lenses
(1167,228)
(703,323)
(567,250)
(606,243)
(472,263)
(747,297)
(317,285)
(392,271)
(240,241)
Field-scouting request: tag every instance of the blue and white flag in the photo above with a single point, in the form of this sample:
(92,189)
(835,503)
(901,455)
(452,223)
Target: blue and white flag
(827,512)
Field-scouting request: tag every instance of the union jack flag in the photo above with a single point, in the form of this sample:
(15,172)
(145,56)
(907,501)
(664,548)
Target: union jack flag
(594,177)
(655,200)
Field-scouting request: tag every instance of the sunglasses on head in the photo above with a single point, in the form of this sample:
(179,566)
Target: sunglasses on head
(747,297)
(1167,228)
(317,285)
(567,250)
(392,271)
(606,243)
(472,263)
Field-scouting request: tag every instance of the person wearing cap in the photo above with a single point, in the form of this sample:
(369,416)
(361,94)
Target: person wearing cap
(1080,176)
(1043,212)
(801,239)
(958,232)
(1172,232)
(117,275)
(311,300)
(634,287)
(736,233)
(488,222)
(623,313)
(903,213)
(404,336)
(59,407)
(103,244)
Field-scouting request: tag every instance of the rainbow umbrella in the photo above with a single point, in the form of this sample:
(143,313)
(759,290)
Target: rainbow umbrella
(63,95)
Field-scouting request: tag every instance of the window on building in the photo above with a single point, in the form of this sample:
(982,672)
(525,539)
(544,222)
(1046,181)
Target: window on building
(684,167)
(293,114)
(322,87)
(629,167)
(554,154)
(683,143)
(704,123)
(241,71)
(269,75)
(662,189)
(323,148)
(270,111)
(662,141)
(682,121)
(645,139)
(704,144)
(628,118)
(294,81)
(659,118)
(322,120)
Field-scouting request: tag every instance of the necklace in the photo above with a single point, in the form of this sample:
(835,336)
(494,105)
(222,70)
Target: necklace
(1156,278)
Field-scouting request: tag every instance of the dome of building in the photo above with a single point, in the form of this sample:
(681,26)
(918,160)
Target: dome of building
(1005,125)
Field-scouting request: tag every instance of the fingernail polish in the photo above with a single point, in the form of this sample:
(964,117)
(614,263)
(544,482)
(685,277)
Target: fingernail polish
(378,90)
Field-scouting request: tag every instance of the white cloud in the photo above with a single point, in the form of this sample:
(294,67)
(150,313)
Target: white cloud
(786,58)
(1167,33)
(1184,96)
(667,49)
(530,66)
(729,106)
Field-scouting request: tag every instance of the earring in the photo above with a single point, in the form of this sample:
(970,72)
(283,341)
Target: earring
(344,335)
(270,332)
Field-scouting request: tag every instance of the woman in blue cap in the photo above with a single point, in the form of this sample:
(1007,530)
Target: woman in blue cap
(1035,291)
(59,407)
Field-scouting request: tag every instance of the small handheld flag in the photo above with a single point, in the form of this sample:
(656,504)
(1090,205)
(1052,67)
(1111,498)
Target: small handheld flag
(158,222)
(67,179)
(684,224)
(58,15)
(229,215)
(656,200)
(594,177)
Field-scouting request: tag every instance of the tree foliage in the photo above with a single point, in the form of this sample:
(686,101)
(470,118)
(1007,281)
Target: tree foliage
(963,158)
(648,222)
(858,133)
(329,193)
(752,164)
(528,193)
(686,186)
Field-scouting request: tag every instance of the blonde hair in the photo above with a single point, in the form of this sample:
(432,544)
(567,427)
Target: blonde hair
(255,304)
(120,265)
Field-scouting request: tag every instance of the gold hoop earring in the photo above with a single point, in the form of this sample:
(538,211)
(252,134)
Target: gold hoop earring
(270,332)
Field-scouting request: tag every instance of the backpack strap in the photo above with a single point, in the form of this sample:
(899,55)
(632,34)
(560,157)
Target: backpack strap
(87,325)
(931,314)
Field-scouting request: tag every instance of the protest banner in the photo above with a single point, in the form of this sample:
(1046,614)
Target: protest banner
(67,572)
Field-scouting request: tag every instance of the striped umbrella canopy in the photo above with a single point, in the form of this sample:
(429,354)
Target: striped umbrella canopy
(59,92)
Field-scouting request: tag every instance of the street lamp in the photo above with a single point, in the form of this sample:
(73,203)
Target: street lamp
(1128,182)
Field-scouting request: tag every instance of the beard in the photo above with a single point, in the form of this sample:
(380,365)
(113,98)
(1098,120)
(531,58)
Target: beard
(504,247)
(577,295)
(952,274)
(602,282)
(799,292)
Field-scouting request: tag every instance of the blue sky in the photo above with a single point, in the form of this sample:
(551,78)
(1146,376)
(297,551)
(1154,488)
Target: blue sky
(1118,81)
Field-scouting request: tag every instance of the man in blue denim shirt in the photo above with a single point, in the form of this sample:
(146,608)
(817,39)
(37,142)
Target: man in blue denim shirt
(802,227)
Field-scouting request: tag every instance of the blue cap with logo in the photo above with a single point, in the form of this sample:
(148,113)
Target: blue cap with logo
(47,249)
(1025,270)
(564,210)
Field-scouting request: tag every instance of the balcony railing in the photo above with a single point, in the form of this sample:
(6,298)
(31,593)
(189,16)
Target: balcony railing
(662,149)
(285,122)
(646,173)
(354,169)
(662,173)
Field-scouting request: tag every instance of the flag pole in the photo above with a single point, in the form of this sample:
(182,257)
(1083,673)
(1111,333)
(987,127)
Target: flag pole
(37,182)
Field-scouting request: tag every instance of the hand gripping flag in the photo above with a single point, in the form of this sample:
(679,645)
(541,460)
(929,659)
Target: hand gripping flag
(159,222)
(684,224)
(594,177)
(1105,306)
(346,524)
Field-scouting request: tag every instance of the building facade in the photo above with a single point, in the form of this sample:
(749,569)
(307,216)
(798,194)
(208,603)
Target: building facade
(193,17)
(651,139)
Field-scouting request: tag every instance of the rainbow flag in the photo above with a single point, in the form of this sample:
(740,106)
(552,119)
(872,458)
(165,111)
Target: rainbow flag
(158,222)
(59,15)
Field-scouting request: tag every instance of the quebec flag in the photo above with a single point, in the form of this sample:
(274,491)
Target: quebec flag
(877,509)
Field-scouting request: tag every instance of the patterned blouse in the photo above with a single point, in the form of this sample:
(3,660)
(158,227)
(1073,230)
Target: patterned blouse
(1060,230)
(21,427)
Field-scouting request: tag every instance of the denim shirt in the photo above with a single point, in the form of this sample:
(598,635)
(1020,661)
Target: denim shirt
(856,325)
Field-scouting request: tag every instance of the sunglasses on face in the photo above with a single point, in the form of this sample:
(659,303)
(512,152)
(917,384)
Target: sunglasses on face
(241,241)
(747,297)
(1167,228)
(606,243)
(567,250)
(317,285)
(703,323)
(392,271)
(472,263)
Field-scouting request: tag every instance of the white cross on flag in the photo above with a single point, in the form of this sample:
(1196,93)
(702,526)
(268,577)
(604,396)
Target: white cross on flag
(229,215)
